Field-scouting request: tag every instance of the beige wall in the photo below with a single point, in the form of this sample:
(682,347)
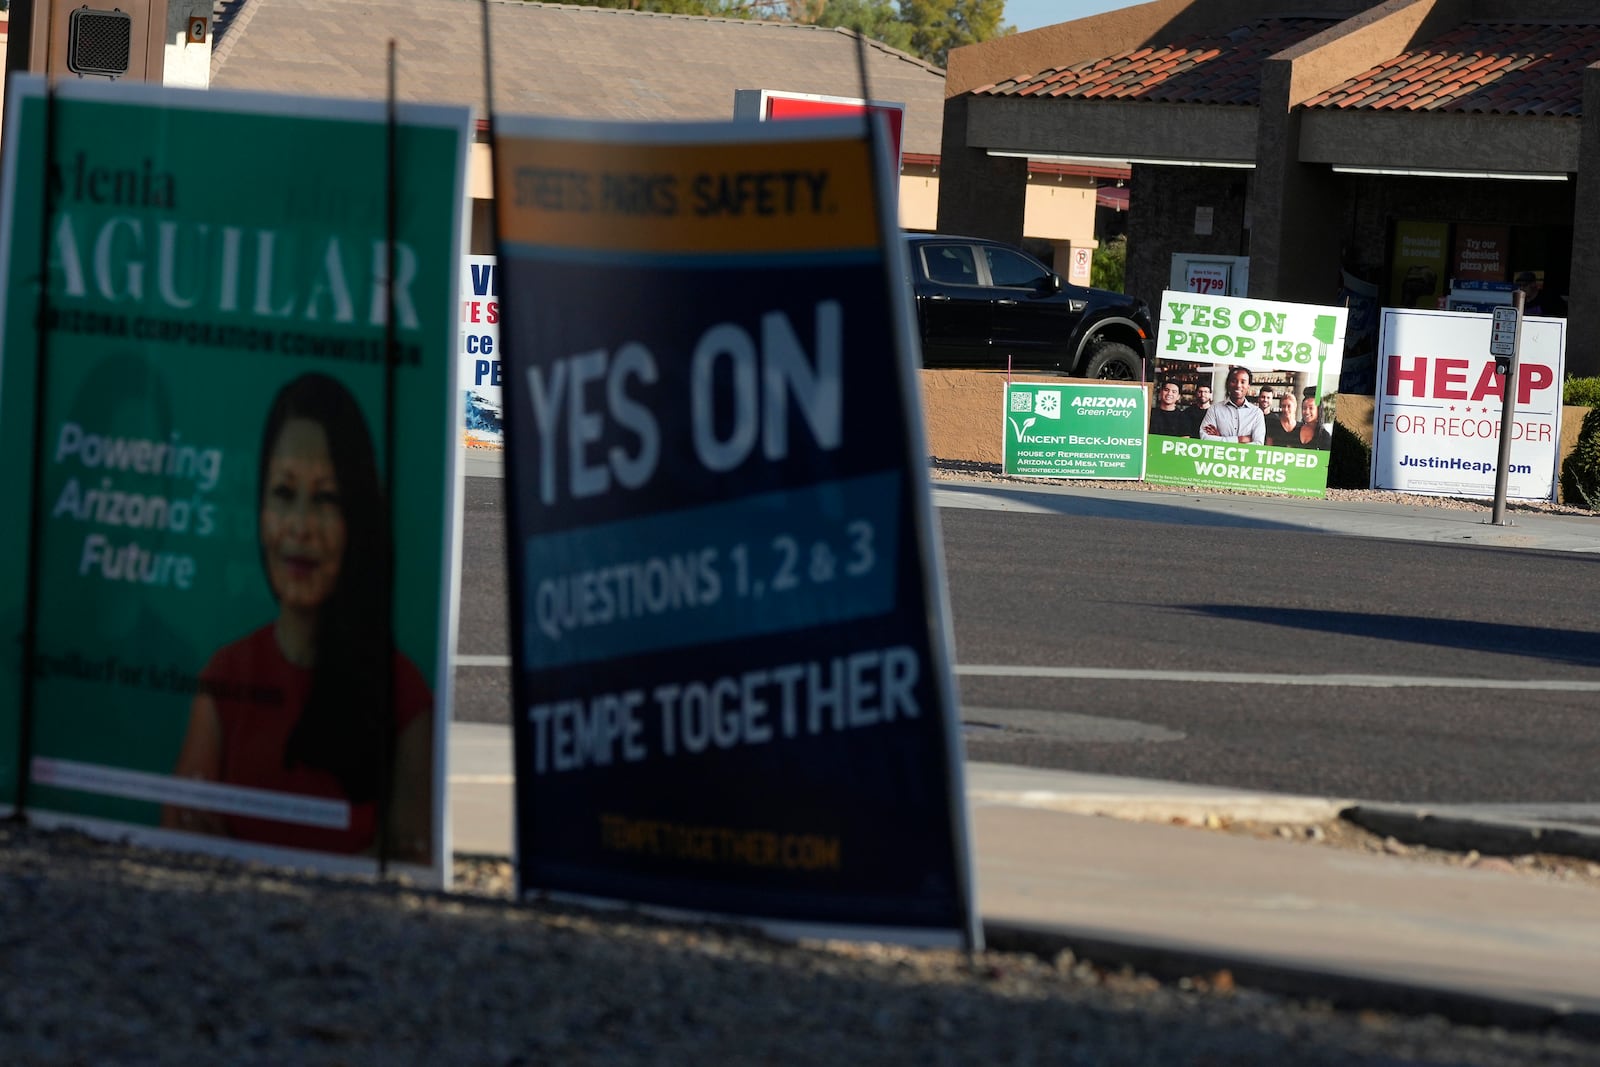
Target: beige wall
(187,61)
(962,412)
(480,179)
(919,197)
(1060,207)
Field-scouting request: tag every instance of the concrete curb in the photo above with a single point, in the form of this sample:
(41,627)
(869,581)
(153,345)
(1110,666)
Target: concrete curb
(1485,834)
(1342,991)
(1447,831)
(1453,829)
(1199,810)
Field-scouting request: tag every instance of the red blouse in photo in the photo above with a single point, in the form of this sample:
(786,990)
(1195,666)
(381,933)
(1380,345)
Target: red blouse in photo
(259,695)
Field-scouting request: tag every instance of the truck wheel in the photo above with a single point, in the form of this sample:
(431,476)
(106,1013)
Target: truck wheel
(1113,360)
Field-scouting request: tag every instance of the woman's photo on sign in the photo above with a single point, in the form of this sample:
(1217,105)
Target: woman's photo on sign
(316,702)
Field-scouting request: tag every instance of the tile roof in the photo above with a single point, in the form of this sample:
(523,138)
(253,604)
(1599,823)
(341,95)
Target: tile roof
(1496,68)
(556,59)
(1210,68)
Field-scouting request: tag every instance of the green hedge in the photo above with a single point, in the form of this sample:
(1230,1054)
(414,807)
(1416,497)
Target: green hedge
(1581,392)
(1110,265)
(1349,460)
(1580,474)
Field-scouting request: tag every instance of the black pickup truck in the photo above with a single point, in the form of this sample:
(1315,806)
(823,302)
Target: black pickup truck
(984,304)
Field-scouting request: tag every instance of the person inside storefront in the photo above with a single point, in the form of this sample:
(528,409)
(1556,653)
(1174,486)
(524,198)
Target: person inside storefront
(1532,293)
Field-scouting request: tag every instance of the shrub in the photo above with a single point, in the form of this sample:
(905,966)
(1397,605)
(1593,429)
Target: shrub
(1110,265)
(1581,392)
(1349,460)
(1580,474)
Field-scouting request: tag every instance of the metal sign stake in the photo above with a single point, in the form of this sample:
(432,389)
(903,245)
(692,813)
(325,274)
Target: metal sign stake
(1505,344)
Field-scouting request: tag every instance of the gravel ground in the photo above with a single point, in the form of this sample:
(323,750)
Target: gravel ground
(115,955)
(120,956)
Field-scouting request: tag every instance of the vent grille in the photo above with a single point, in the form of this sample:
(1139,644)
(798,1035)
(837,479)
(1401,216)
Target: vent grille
(100,42)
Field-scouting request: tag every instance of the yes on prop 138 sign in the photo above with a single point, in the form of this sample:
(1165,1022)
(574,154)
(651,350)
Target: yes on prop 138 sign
(1226,342)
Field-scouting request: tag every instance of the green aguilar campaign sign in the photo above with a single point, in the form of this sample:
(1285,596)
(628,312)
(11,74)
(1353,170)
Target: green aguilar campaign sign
(213,454)
(1244,394)
(1055,430)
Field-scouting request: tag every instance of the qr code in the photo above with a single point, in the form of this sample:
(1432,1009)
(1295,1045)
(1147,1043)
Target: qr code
(1021,401)
(1047,402)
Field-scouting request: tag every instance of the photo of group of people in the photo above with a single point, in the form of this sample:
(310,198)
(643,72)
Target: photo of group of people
(1279,408)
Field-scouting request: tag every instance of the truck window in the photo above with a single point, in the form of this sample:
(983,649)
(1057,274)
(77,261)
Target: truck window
(1010,269)
(950,264)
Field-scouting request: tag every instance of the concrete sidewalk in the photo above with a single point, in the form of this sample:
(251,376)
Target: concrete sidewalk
(1387,519)
(1390,519)
(1381,931)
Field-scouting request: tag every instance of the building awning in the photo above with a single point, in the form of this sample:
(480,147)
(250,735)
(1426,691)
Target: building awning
(1112,196)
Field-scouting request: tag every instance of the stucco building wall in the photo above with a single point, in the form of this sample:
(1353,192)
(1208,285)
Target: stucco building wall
(1165,222)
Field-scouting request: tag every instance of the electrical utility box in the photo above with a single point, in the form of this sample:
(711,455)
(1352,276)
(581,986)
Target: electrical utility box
(106,39)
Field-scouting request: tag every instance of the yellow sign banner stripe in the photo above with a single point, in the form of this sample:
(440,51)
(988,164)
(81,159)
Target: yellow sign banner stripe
(787,196)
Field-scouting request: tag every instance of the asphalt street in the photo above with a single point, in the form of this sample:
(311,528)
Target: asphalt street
(1155,636)
(1211,645)
(1165,657)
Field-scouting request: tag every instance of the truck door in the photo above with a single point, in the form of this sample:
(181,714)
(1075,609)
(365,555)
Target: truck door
(1033,318)
(953,306)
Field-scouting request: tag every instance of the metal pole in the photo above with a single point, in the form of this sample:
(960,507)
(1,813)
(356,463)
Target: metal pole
(391,358)
(1508,406)
(34,591)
